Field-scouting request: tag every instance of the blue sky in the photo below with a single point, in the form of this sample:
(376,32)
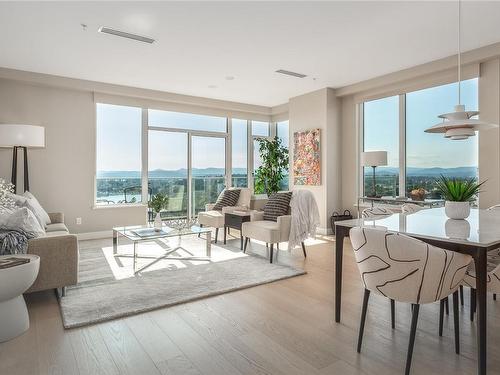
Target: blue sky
(422,108)
(119,139)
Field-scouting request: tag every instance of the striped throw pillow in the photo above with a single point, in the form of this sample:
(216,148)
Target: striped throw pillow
(277,205)
(228,198)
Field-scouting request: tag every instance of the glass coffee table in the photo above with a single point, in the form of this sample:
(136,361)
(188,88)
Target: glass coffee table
(146,233)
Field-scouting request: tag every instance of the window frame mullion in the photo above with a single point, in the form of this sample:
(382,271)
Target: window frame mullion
(402,145)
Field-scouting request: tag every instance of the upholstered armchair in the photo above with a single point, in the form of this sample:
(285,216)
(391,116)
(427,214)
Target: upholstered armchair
(270,232)
(215,219)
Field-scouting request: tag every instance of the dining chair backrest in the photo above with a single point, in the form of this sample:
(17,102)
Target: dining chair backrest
(410,208)
(376,213)
(406,269)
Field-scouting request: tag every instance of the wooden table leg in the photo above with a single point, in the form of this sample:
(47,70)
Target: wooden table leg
(340,233)
(481,295)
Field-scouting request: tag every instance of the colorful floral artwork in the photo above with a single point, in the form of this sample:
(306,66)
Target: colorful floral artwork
(306,158)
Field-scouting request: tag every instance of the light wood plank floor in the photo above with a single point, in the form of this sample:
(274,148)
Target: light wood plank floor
(282,328)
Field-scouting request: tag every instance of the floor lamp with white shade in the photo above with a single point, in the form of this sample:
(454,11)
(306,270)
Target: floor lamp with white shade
(373,159)
(17,136)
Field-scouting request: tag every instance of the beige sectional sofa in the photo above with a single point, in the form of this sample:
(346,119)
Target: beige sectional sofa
(58,252)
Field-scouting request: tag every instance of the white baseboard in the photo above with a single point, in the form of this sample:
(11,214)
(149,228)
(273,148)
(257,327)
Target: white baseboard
(94,235)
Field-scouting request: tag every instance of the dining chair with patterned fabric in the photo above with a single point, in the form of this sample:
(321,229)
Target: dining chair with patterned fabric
(376,213)
(410,208)
(493,261)
(408,270)
(492,279)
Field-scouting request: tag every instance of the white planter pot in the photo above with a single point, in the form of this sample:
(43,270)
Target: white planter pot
(459,229)
(457,210)
(158,223)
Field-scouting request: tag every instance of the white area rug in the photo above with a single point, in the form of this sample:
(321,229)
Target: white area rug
(108,288)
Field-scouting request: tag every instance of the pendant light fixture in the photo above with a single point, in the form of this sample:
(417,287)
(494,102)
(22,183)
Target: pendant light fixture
(459,124)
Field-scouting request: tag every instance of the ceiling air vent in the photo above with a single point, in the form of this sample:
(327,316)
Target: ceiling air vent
(123,34)
(289,73)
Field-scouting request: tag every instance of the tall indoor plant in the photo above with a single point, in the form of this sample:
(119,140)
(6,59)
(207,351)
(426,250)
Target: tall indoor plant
(274,156)
(458,194)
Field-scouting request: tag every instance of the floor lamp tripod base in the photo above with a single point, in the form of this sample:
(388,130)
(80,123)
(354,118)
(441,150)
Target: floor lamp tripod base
(373,194)
(14,167)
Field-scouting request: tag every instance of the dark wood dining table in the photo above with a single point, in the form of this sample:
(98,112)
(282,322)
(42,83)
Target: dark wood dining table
(476,235)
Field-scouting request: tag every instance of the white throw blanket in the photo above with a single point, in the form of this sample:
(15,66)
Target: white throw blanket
(305,217)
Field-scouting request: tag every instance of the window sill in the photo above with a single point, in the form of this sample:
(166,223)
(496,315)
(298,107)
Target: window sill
(108,206)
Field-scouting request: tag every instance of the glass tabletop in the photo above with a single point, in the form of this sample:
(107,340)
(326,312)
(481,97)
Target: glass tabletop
(148,232)
(482,227)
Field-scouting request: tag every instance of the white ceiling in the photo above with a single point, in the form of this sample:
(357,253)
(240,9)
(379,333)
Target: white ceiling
(199,44)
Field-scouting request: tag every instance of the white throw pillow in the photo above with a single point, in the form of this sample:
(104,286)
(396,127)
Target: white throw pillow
(19,200)
(34,206)
(21,219)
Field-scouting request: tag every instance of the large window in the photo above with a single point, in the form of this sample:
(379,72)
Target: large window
(429,155)
(282,132)
(187,157)
(208,168)
(260,129)
(167,170)
(118,154)
(190,121)
(425,155)
(381,133)
(239,142)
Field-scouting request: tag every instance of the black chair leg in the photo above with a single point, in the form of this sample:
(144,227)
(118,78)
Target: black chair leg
(304,249)
(455,321)
(472,302)
(216,234)
(494,296)
(393,314)
(411,344)
(246,244)
(199,234)
(461,295)
(271,253)
(363,319)
(441,316)
(447,306)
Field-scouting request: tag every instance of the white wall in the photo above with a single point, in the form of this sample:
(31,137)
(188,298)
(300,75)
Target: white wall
(320,110)
(489,140)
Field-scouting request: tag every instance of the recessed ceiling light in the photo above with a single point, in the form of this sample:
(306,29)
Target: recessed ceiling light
(289,73)
(123,34)
(229,78)
(212,86)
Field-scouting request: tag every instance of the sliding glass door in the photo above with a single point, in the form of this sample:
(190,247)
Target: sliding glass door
(208,170)
(168,170)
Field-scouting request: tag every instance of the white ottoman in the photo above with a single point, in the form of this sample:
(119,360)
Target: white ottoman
(14,281)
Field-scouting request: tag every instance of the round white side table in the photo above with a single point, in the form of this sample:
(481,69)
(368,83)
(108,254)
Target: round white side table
(14,281)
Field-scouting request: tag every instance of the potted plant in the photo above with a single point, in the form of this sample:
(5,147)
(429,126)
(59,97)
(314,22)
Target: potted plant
(157,203)
(274,156)
(458,194)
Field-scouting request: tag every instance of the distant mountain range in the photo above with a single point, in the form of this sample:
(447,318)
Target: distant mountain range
(430,172)
(161,173)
